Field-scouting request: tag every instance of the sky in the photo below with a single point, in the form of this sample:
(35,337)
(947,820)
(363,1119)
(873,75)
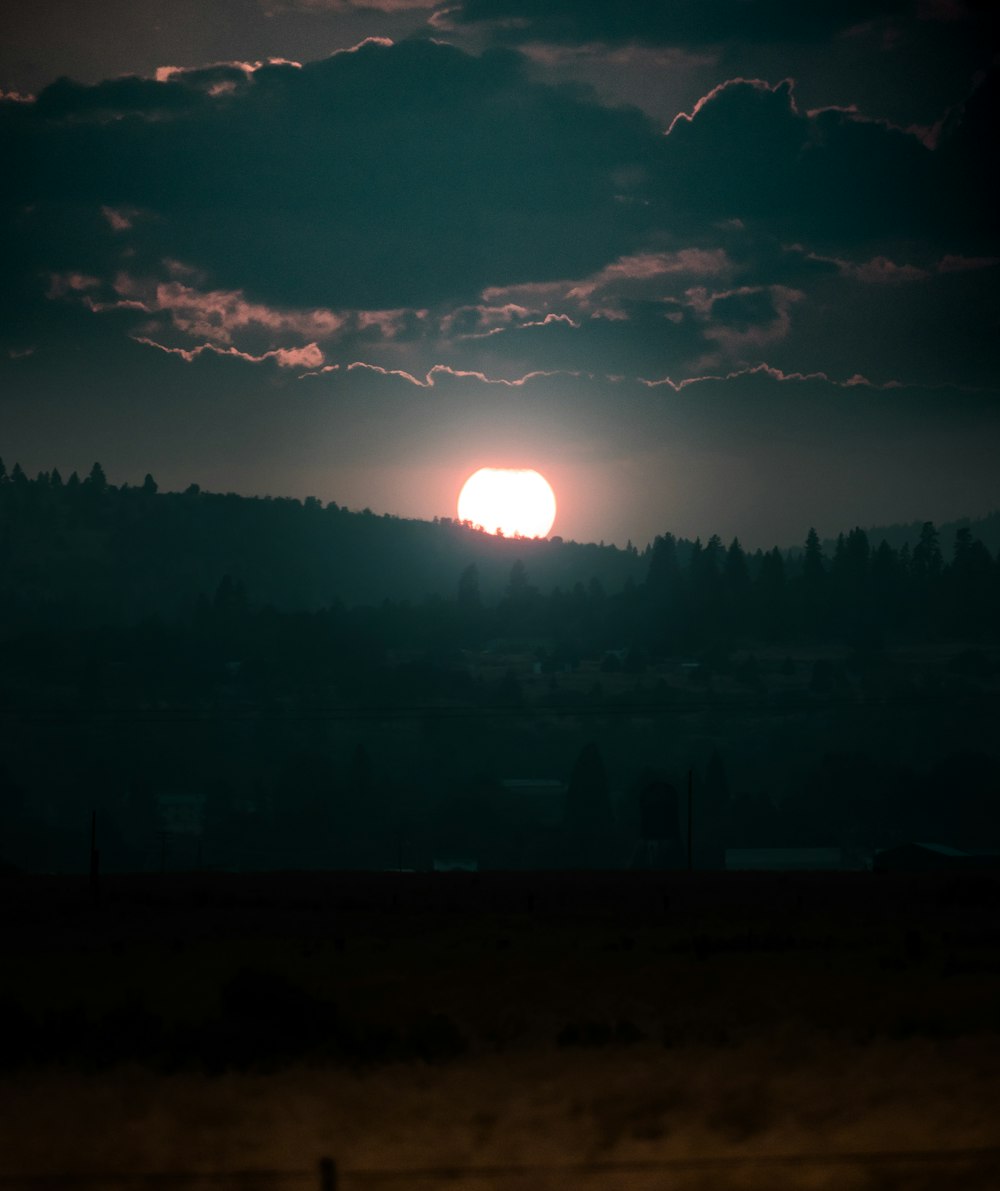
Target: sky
(711,267)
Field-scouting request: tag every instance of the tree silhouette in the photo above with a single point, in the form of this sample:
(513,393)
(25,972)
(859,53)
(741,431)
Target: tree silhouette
(97,480)
(469,600)
(814,583)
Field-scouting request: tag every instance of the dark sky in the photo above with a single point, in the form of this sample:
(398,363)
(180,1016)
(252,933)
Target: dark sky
(710,267)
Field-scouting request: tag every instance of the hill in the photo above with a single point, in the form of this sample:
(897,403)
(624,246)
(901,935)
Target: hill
(129,552)
(986,529)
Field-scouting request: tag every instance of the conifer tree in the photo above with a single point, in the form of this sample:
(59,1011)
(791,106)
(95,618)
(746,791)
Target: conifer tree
(97,480)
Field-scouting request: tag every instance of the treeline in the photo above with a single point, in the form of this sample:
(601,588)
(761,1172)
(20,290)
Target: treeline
(82,551)
(864,594)
(102,553)
(192,644)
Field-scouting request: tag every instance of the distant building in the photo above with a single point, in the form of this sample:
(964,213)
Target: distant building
(180,814)
(770,860)
(918,858)
(180,824)
(455,864)
(538,800)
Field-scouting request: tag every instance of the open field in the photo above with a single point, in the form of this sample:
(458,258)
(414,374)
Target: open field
(402,1021)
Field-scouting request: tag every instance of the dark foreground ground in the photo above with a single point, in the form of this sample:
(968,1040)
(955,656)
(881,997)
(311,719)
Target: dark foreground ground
(645,1030)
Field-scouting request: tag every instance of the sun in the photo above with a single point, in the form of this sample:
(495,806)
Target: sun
(513,501)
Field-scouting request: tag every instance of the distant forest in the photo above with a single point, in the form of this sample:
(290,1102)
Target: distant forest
(104,554)
(327,687)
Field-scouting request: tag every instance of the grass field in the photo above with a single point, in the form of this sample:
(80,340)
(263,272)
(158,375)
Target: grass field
(407,1021)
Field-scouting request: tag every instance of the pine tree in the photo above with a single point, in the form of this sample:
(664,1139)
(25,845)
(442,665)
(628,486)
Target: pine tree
(663,572)
(469,600)
(927,562)
(517,583)
(770,595)
(814,583)
(737,576)
(97,480)
(813,564)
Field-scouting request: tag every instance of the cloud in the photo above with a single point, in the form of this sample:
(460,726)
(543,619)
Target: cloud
(308,356)
(681,22)
(653,267)
(773,374)
(218,315)
(445,371)
(412,205)
(747,152)
(277,6)
(387,177)
(881,270)
(218,72)
(699,24)
(750,316)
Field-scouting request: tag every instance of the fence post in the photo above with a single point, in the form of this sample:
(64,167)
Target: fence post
(327,1174)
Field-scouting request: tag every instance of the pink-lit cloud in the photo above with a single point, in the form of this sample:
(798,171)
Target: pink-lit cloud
(735,338)
(164,74)
(649,276)
(64,285)
(119,219)
(777,374)
(880,270)
(308,356)
(213,315)
(432,375)
(646,266)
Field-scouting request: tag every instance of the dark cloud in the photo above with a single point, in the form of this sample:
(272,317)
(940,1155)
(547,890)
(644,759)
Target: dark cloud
(704,22)
(91,40)
(65,99)
(681,22)
(744,309)
(387,176)
(905,61)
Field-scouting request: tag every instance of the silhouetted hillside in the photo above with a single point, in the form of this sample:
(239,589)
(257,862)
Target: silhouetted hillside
(128,552)
(274,684)
(986,529)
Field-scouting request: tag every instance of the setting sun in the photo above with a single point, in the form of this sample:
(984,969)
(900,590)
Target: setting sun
(514,501)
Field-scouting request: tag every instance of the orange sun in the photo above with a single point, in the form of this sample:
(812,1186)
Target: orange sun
(513,501)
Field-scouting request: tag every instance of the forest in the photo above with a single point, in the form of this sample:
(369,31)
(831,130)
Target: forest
(239,683)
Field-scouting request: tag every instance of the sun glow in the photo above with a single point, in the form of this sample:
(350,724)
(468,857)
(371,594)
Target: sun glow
(513,501)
